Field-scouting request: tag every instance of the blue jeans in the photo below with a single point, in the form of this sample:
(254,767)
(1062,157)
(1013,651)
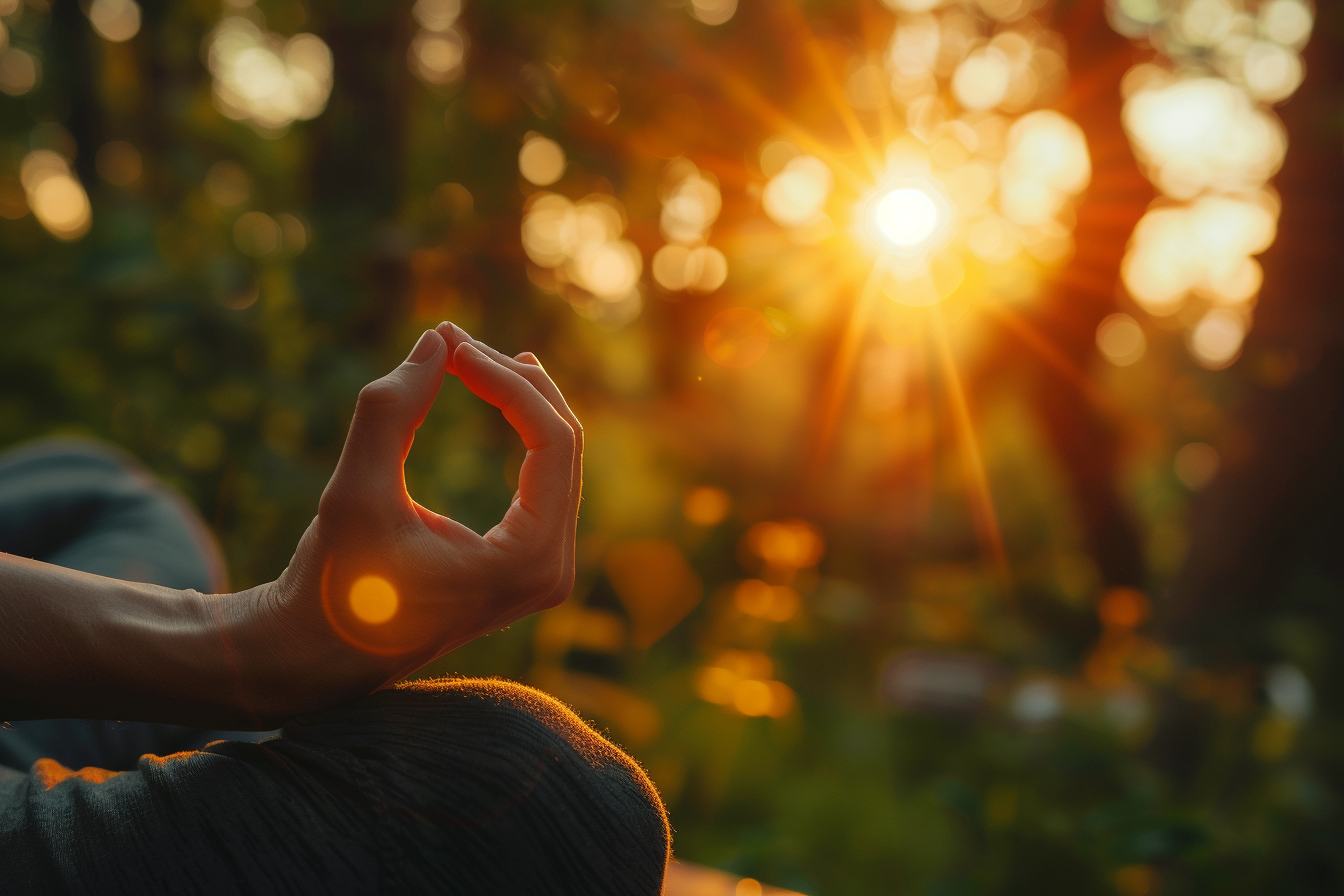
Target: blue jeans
(86,506)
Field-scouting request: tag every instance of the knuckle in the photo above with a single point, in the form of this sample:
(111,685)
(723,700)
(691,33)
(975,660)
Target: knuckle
(383,391)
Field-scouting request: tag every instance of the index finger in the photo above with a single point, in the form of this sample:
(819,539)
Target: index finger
(533,372)
(545,480)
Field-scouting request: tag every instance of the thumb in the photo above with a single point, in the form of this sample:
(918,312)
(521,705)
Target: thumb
(388,413)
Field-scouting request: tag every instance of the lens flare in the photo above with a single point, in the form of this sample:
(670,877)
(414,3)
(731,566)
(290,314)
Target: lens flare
(373,599)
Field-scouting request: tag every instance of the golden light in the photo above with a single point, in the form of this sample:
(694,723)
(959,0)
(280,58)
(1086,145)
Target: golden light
(713,12)
(906,217)
(706,505)
(1203,248)
(19,71)
(57,199)
(981,81)
(798,193)
(1202,134)
(911,5)
(992,240)
(1053,147)
(436,15)
(1286,22)
(787,544)
(541,160)
(1272,72)
(1205,23)
(580,243)
(1121,340)
(741,680)
(263,78)
(607,270)
(437,57)
(702,269)
(1216,340)
(775,603)
(737,337)
(115,20)
(373,599)
(691,205)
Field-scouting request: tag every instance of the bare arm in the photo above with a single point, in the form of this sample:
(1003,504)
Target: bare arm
(378,585)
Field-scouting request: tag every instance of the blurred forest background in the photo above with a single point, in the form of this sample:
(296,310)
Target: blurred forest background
(1014,567)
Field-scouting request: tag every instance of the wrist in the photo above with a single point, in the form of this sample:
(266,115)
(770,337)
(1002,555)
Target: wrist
(289,660)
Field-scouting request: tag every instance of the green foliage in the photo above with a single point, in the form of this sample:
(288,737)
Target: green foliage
(233,375)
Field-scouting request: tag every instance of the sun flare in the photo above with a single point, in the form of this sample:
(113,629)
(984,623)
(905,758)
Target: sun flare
(907,217)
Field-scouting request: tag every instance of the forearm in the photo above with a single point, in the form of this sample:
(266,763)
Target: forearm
(75,645)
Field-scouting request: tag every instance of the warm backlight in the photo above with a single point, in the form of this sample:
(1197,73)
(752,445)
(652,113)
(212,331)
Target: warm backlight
(907,217)
(373,599)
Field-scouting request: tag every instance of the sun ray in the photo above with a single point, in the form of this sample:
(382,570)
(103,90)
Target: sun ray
(886,109)
(835,91)
(750,99)
(978,492)
(842,368)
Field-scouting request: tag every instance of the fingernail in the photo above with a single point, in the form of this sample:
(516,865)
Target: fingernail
(424,349)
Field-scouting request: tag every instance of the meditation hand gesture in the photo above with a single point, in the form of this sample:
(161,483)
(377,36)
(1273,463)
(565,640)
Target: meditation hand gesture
(377,587)
(401,584)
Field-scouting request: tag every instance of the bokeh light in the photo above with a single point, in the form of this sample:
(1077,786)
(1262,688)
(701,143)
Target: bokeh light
(541,161)
(691,203)
(438,51)
(1216,340)
(1195,465)
(373,599)
(1202,248)
(115,20)
(706,505)
(1121,339)
(981,81)
(266,79)
(19,71)
(713,12)
(436,15)
(1037,701)
(797,195)
(775,603)
(1197,134)
(741,680)
(257,234)
(56,197)
(580,245)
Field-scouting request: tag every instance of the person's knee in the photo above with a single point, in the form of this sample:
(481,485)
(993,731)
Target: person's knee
(513,792)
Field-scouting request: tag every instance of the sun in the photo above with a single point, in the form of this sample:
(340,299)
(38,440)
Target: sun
(907,217)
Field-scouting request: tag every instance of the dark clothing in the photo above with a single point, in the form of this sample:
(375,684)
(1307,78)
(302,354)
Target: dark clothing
(85,506)
(471,787)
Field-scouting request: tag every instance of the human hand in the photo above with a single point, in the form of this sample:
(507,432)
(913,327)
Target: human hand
(400,584)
